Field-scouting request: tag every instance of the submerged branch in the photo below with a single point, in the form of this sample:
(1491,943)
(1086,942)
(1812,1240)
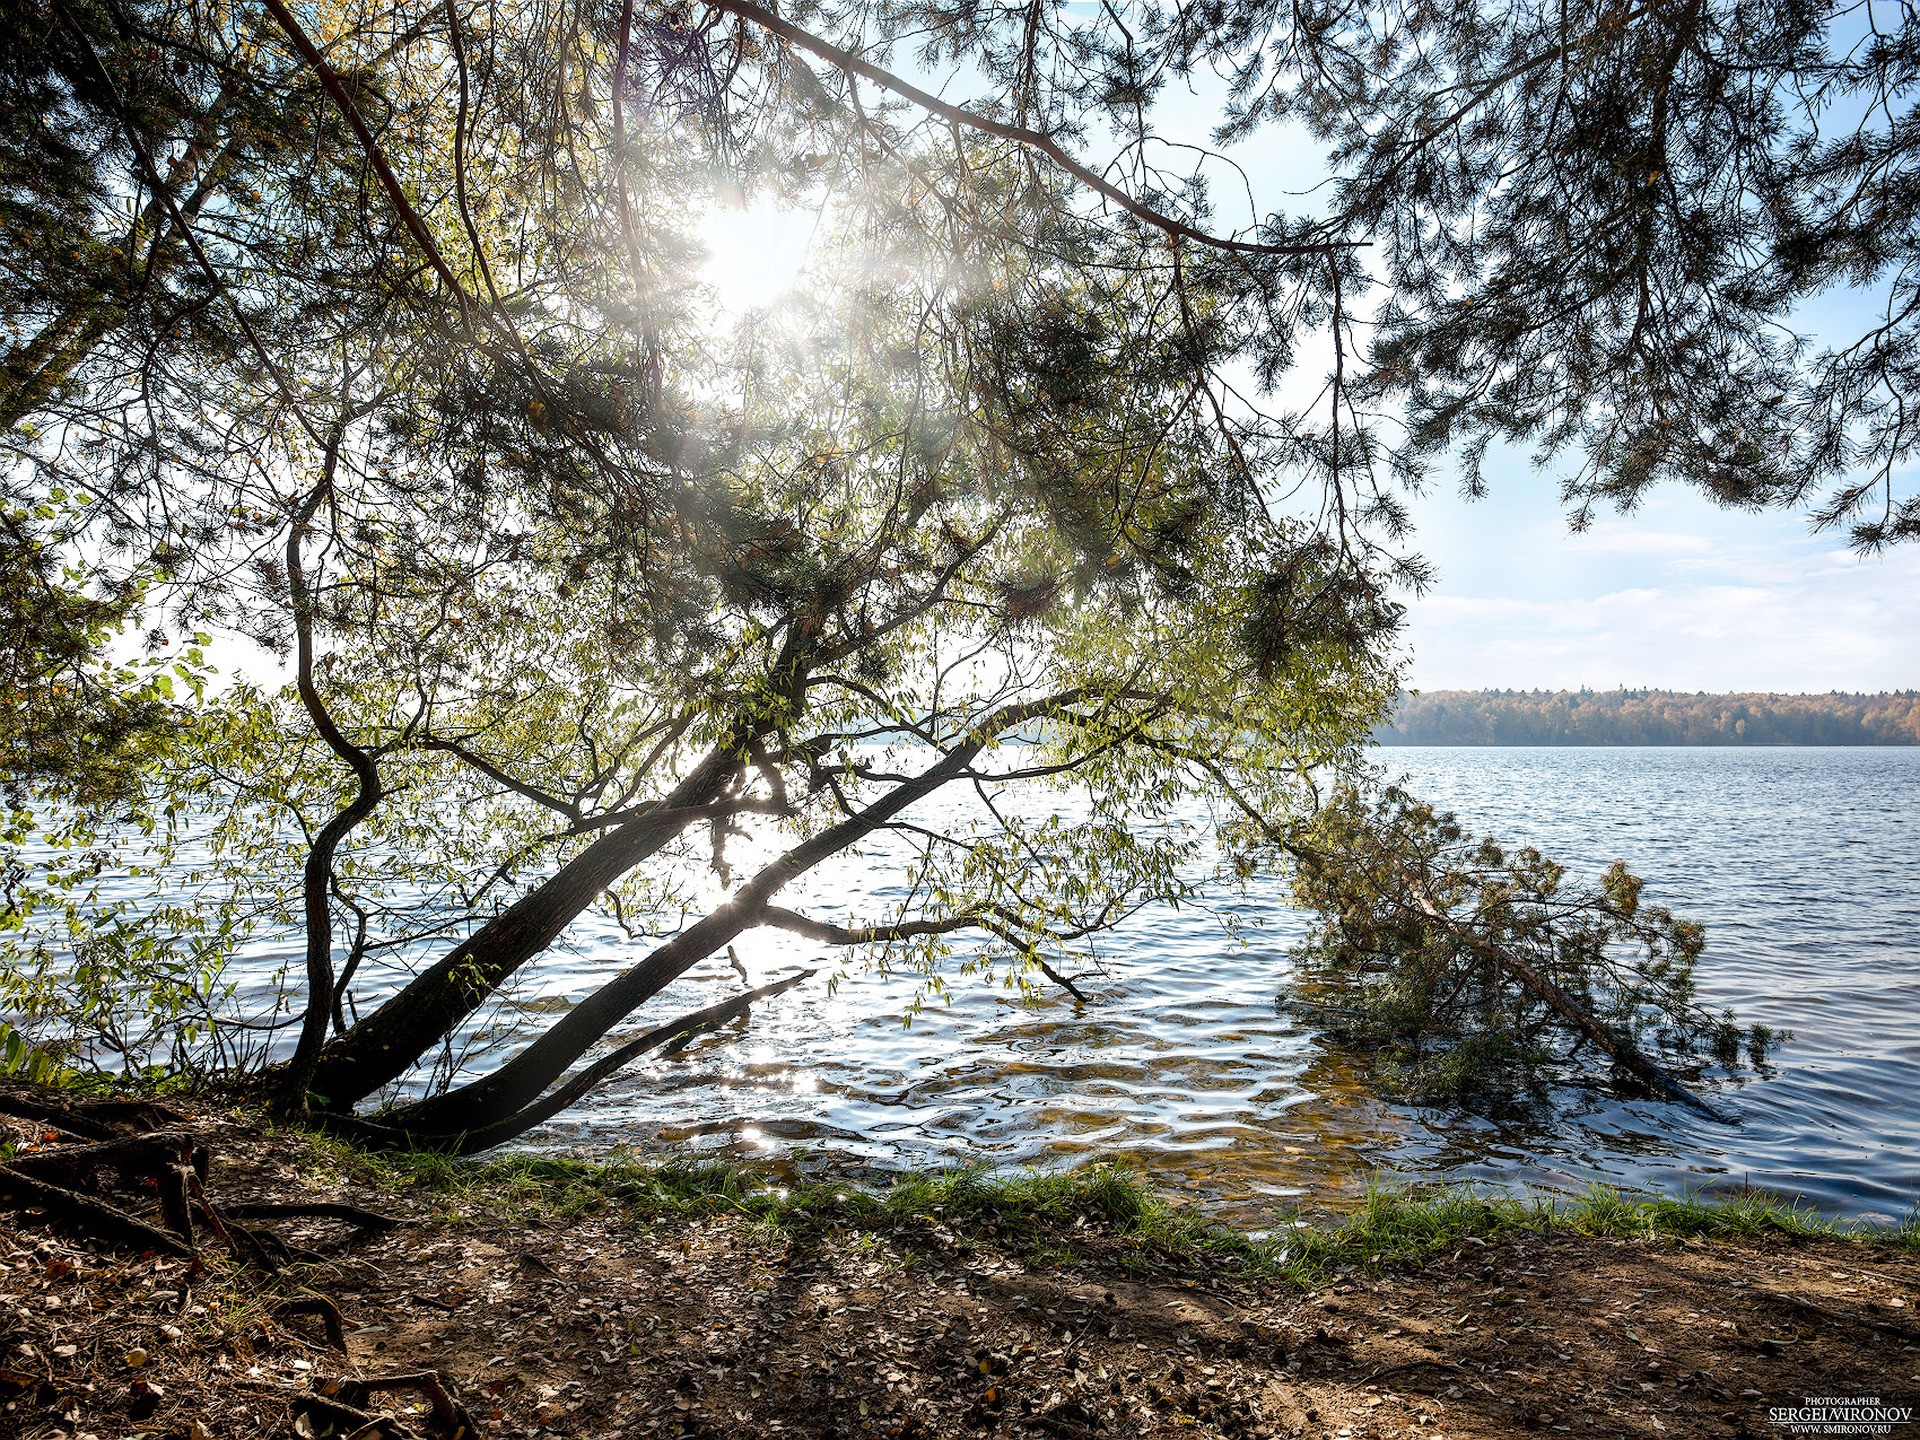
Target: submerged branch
(1460,957)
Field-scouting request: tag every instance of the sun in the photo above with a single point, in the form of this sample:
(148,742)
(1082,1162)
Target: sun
(757,254)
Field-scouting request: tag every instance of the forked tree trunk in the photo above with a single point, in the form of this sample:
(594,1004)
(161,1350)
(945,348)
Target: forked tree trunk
(317,877)
(386,1043)
(516,1095)
(472,1142)
(491,1103)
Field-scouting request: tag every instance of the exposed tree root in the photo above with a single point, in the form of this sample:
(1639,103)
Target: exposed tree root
(137,1176)
(148,1148)
(74,1211)
(341,1410)
(71,1119)
(354,1215)
(329,1313)
(129,1152)
(323,1418)
(1899,1330)
(453,1417)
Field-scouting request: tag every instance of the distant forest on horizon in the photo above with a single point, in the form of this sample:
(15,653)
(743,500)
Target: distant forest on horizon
(1651,717)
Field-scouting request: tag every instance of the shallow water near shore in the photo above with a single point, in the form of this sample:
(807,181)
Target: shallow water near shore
(1804,864)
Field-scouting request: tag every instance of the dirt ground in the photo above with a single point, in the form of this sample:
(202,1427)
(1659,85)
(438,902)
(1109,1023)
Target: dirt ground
(606,1327)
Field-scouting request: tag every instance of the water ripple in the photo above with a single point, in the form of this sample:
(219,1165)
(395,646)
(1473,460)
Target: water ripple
(1804,864)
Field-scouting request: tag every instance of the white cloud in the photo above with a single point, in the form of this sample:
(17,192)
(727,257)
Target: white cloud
(1679,595)
(1617,537)
(1816,627)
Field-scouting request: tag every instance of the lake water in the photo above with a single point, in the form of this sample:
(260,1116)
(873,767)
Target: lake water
(1804,864)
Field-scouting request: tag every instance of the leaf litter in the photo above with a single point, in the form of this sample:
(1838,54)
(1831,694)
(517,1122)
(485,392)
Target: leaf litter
(613,1323)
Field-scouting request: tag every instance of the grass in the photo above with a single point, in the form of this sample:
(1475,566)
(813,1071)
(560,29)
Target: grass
(1400,1225)
(1101,1208)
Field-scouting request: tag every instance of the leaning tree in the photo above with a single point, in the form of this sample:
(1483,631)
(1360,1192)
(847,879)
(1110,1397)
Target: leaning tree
(378,333)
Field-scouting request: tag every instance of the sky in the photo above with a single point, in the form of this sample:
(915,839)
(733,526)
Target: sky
(1679,595)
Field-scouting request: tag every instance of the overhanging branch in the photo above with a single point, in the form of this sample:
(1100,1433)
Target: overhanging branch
(1038,141)
(995,920)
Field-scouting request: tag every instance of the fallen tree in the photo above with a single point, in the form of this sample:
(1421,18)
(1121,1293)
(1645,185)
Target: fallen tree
(1469,964)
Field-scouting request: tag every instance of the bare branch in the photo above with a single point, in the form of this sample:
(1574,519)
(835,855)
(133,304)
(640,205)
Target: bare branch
(852,64)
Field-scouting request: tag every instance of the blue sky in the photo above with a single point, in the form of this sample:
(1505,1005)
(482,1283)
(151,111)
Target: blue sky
(1678,595)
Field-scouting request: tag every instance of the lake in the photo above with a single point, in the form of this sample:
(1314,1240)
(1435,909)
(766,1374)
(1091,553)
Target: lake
(1804,864)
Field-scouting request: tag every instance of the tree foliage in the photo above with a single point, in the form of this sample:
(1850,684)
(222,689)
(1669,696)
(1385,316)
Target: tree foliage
(377,334)
(1464,961)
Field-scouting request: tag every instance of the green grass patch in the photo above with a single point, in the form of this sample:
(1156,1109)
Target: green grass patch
(1103,1210)
(1408,1224)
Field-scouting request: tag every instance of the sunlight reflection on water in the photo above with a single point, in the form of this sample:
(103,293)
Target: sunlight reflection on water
(1803,863)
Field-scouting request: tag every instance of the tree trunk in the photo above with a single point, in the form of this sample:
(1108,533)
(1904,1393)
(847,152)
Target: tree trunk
(518,1084)
(472,1142)
(384,1044)
(1622,1051)
(317,879)
(31,373)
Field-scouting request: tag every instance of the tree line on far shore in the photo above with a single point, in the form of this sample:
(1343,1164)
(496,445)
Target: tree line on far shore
(1651,717)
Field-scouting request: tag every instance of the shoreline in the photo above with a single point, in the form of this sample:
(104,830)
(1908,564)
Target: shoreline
(557,1298)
